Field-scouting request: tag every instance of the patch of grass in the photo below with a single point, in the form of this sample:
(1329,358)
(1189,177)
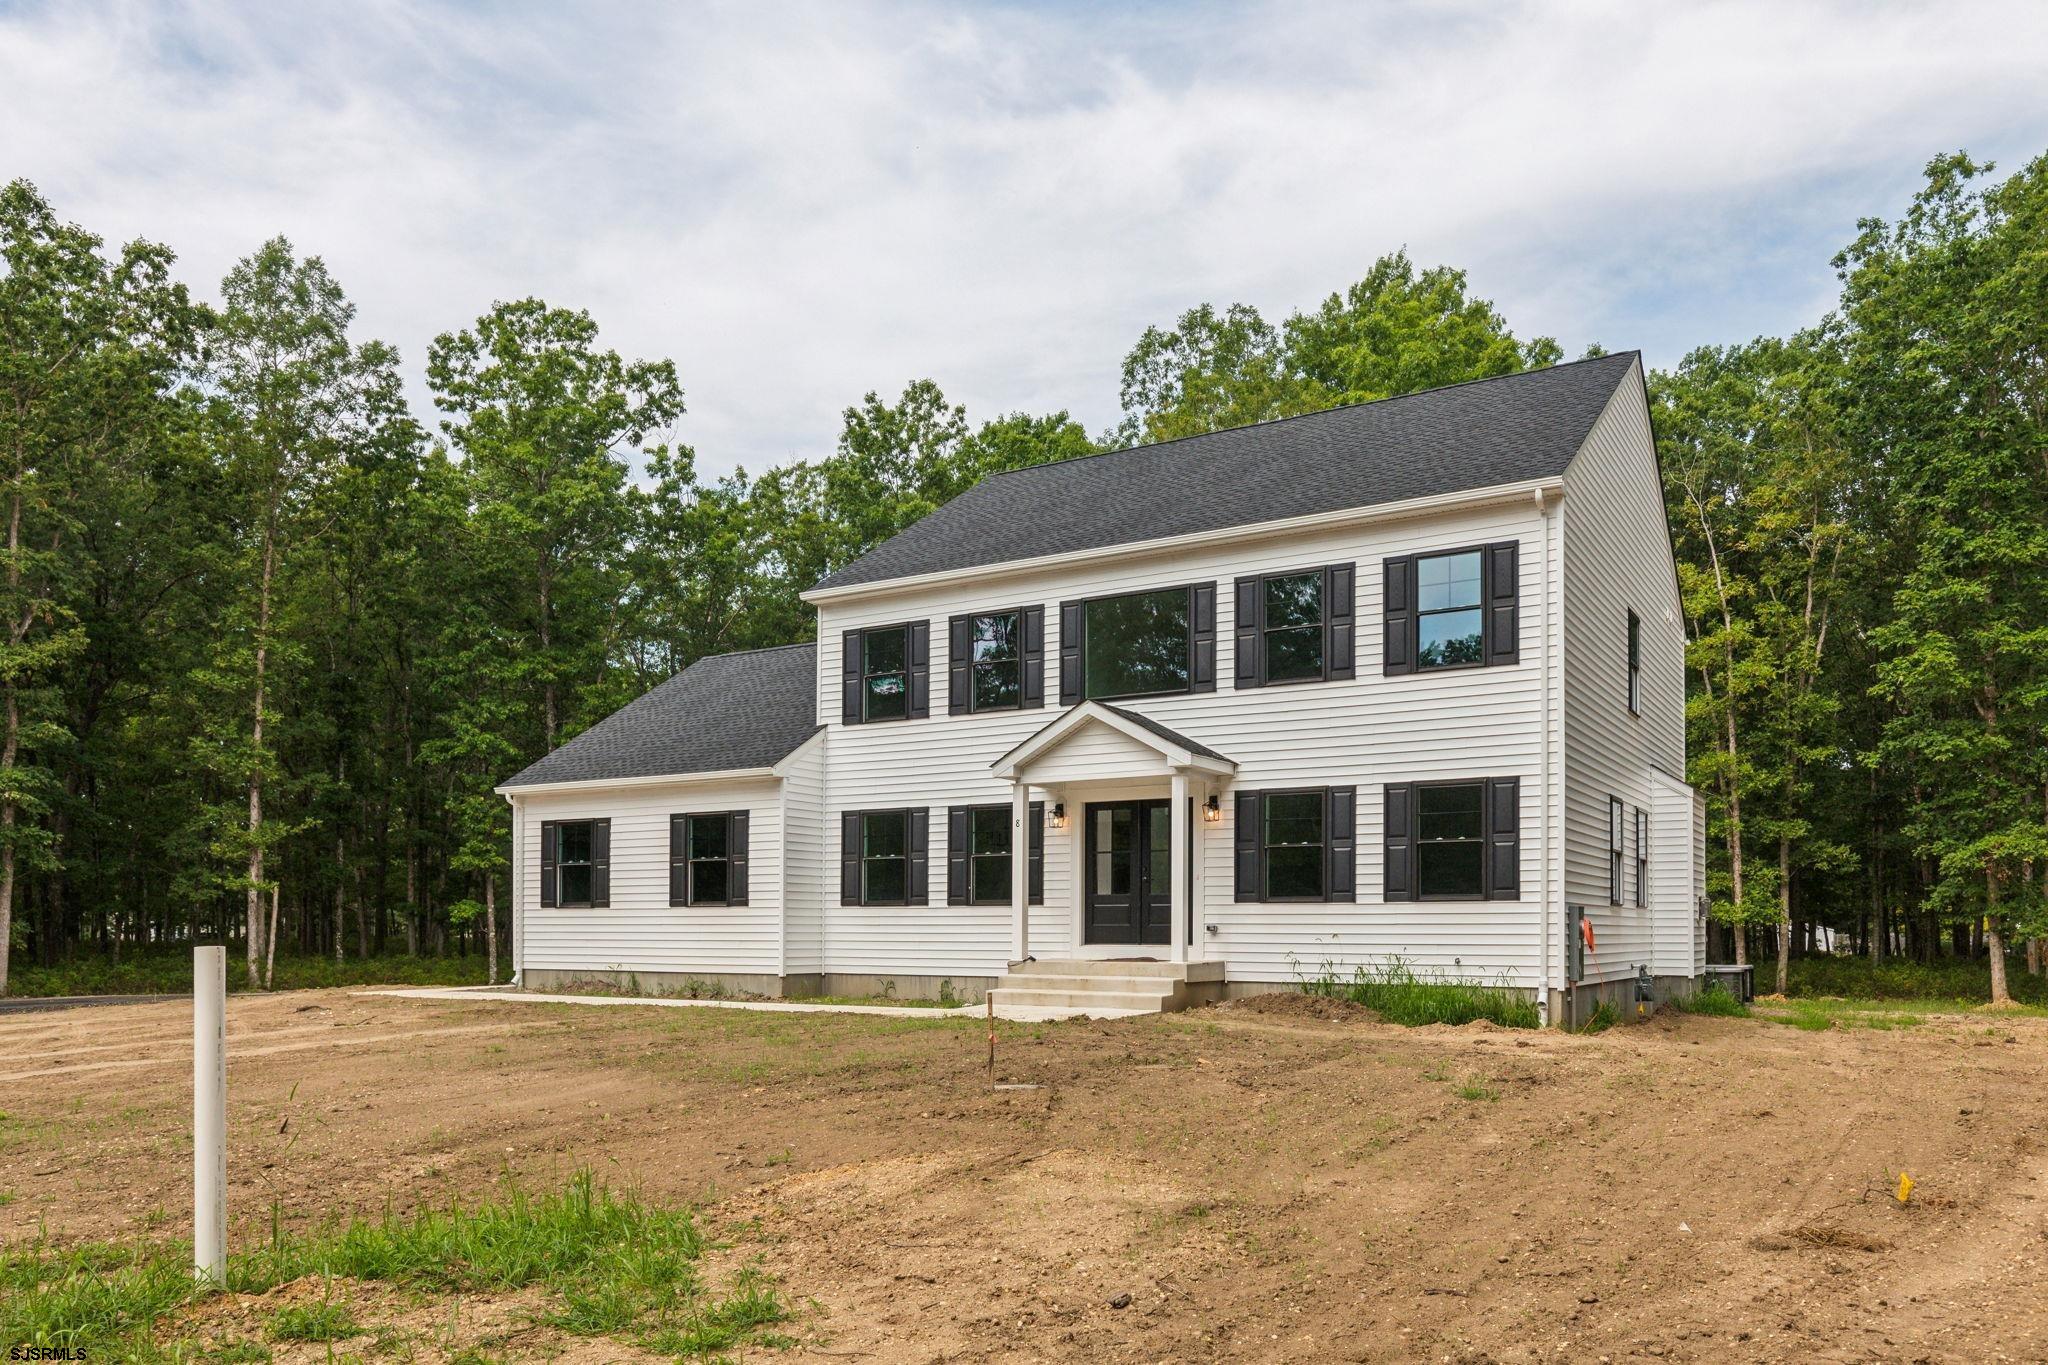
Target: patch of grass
(616,1267)
(1958,983)
(170,973)
(1817,1016)
(893,1002)
(1401,995)
(1472,1088)
(313,1322)
(1603,1018)
(1710,1000)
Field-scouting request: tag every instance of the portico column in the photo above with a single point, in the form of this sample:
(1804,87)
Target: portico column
(1020,872)
(1178,877)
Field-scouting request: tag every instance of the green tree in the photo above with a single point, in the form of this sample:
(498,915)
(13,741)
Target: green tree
(544,423)
(89,346)
(1944,333)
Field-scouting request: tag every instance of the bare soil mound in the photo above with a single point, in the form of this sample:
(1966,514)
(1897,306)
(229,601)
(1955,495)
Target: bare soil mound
(1299,1005)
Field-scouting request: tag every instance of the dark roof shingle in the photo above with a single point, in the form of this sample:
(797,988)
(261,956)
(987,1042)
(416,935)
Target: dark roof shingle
(1476,435)
(746,710)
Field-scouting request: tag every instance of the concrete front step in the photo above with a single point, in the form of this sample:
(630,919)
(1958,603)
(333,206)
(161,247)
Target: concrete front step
(1045,1014)
(1083,1000)
(1161,986)
(1111,966)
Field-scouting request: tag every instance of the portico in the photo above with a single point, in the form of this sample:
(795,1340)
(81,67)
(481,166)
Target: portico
(1130,796)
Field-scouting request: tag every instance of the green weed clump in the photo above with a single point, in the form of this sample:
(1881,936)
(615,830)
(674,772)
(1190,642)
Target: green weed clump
(616,1266)
(1603,1018)
(1712,1000)
(1964,981)
(1401,995)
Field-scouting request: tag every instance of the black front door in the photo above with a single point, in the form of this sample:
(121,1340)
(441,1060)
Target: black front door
(1130,870)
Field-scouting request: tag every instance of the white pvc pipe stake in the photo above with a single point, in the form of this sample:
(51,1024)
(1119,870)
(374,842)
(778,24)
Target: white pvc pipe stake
(209,1115)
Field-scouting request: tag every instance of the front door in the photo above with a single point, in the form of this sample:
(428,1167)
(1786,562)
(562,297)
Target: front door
(1130,870)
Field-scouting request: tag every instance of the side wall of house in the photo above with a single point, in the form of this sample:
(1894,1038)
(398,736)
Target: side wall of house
(803,860)
(1366,732)
(639,931)
(1617,559)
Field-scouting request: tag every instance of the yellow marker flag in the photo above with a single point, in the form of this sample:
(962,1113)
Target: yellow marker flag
(1905,1187)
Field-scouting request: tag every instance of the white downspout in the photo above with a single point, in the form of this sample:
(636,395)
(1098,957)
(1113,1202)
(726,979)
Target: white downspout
(1553,623)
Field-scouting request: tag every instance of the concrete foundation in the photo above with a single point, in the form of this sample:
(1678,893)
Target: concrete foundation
(795,985)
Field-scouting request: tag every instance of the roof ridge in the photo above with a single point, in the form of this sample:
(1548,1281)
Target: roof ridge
(1319,412)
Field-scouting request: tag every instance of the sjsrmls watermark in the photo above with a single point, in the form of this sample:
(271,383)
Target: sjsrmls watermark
(46,1353)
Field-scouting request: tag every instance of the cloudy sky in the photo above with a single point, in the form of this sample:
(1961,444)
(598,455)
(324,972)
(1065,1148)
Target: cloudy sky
(799,203)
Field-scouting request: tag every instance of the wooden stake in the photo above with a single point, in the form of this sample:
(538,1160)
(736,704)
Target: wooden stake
(990,1000)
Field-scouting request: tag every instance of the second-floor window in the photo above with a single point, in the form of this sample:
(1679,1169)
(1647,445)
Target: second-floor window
(1450,609)
(885,673)
(1635,664)
(996,661)
(1295,627)
(1138,644)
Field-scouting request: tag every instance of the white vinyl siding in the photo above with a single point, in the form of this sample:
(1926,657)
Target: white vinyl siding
(640,930)
(1363,732)
(1617,559)
(804,879)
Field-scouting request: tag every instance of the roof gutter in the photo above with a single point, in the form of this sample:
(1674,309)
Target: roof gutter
(509,791)
(1318,521)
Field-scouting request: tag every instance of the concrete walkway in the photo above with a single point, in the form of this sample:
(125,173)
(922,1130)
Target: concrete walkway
(474,993)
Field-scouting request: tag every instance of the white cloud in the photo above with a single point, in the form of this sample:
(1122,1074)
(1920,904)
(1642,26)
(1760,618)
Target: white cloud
(801,203)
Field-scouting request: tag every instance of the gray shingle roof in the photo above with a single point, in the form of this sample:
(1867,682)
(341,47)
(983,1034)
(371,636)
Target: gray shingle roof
(747,710)
(1476,435)
(1169,735)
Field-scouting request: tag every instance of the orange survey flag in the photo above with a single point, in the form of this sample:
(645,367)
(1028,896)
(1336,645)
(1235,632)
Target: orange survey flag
(1586,933)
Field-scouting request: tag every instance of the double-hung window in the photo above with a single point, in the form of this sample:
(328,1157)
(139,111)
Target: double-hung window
(1138,644)
(996,661)
(882,857)
(885,673)
(978,851)
(575,863)
(1616,832)
(1642,857)
(1453,841)
(707,858)
(1635,664)
(1446,609)
(1297,845)
(1295,626)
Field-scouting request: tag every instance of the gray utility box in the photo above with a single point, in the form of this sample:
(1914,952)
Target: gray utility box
(1738,981)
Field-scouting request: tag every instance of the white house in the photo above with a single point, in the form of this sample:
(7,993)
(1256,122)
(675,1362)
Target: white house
(1399,680)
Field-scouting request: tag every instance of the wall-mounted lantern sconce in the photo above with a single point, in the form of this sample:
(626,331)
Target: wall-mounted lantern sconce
(1058,818)
(1212,810)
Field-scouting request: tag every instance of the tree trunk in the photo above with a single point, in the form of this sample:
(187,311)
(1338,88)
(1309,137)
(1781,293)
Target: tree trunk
(1784,913)
(491,925)
(253,946)
(1994,940)
(340,893)
(270,942)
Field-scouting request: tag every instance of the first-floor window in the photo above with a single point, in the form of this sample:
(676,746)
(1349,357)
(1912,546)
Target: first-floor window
(1642,857)
(1453,841)
(1616,833)
(575,863)
(708,859)
(1297,844)
(978,850)
(882,857)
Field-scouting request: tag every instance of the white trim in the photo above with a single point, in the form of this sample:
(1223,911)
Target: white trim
(781,767)
(1350,516)
(660,779)
(1010,767)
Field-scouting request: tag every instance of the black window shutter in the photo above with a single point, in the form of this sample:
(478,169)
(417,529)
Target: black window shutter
(917,839)
(1034,657)
(956,855)
(1070,653)
(919,644)
(1503,584)
(1340,835)
(736,852)
(1247,842)
(1203,615)
(1398,876)
(600,863)
(849,678)
(1397,607)
(1247,671)
(678,861)
(849,857)
(547,862)
(1503,839)
(959,673)
(1034,890)
(1340,635)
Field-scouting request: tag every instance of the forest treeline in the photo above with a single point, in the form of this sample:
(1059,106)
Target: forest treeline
(271,637)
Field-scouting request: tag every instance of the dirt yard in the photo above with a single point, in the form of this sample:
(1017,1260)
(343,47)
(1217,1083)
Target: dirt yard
(1240,1183)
